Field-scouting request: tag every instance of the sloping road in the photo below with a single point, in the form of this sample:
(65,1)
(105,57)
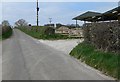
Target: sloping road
(0,60)
(25,58)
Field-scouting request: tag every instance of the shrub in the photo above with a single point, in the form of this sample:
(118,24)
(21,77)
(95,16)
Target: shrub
(6,32)
(104,36)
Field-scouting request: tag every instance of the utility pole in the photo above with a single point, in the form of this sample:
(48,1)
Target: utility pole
(37,14)
(50,20)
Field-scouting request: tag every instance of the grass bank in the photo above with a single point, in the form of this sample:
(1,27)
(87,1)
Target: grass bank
(105,62)
(7,34)
(0,37)
(41,35)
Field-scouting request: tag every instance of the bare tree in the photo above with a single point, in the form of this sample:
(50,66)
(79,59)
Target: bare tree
(21,23)
(5,23)
(5,26)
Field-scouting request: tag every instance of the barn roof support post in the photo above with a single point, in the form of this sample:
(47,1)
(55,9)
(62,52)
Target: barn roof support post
(76,23)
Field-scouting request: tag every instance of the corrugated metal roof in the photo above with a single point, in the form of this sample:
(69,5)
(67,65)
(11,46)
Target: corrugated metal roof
(95,16)
(113,11)
(86,15)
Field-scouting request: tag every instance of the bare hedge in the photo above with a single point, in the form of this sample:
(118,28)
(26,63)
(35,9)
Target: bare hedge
(104,36)
(5,29)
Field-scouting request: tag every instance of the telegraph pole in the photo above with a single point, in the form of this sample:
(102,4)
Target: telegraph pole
(50,20)
(37,14)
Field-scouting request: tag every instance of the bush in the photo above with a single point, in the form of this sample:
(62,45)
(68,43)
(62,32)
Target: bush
(104,36)
(6,32)
(86,33)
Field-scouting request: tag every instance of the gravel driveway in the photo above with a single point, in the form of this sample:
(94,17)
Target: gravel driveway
(63,45)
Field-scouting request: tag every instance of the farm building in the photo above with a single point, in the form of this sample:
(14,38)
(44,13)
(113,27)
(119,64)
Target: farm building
(63,30)
(76,32)
(102,29)
(73,32)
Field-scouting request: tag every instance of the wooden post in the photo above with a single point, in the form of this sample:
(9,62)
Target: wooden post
(76,23)
(37,14)
(84,22)
(37,17)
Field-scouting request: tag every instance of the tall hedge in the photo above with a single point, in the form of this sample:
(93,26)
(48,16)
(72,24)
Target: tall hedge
(6,32)
(104,36)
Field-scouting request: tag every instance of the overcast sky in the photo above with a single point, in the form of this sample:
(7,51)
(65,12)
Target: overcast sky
(60,12)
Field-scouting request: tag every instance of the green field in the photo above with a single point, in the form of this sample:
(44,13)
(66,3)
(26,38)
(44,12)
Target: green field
(41,35)
(105,62)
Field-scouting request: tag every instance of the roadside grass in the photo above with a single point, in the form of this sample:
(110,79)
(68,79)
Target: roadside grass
(41,35)
(0,37)
(6,34)
(103,61)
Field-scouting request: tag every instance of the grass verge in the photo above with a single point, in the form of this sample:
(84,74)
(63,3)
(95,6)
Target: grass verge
(41,35)
(105,62)
(0,37)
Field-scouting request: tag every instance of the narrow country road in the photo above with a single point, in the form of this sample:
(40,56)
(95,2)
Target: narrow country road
(25,58)
(0,60)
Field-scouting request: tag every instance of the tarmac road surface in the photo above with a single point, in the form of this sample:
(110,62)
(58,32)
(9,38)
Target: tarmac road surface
(25,58)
